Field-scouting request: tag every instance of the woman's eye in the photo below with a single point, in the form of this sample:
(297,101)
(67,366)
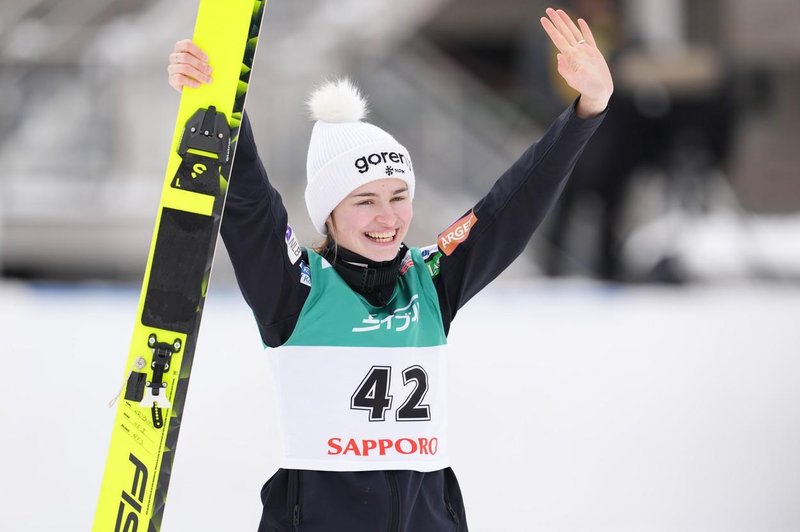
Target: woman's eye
(398,198)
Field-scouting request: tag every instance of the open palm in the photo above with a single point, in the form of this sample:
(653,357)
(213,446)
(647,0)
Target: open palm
(580,62)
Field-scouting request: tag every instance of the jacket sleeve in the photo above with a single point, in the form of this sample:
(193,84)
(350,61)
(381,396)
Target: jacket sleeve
(505,219)
(254,229)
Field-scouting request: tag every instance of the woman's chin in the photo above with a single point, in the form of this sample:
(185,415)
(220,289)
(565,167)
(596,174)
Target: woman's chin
(383,256)
(380,252)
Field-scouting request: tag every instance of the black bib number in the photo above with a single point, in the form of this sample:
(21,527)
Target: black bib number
(373,395)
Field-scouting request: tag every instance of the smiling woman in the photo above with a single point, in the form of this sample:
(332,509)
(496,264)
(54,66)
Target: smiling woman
(373,220)
(357,329)
(350,196)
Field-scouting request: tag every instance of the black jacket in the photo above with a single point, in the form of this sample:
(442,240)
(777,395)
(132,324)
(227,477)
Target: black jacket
(253,229)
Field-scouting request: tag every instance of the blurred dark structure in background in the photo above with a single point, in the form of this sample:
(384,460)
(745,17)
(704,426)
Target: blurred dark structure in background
(702,126)
(681,98)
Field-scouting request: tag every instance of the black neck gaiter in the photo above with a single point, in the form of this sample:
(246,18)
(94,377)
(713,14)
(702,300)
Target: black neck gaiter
(373,280)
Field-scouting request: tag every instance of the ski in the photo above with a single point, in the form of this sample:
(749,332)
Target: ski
(148,416)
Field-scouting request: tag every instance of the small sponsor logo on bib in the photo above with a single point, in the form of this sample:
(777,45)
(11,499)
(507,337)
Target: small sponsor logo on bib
(408,262)
(305,274)
(398,321)
(427,251)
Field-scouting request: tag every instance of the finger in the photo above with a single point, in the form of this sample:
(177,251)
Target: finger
(187,45)
(558,40)
(189,71)
(587,32)
(561,26)
(179,81)
(573,29)
(177,58)
(186,70)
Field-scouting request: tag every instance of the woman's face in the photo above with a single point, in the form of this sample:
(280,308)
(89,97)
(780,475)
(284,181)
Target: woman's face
(373,220)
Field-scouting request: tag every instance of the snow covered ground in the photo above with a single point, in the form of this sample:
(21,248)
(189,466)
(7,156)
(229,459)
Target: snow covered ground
(574,407)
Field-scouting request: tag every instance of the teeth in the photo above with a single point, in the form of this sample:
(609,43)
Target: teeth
(382,237)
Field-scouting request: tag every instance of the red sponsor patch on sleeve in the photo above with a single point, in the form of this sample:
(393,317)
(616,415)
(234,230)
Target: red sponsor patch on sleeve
(450,238)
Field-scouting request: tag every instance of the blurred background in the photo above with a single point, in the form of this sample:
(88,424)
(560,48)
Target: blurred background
(654,329)
(693,175)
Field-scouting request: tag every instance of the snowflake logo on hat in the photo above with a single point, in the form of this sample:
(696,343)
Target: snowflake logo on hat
(389,170)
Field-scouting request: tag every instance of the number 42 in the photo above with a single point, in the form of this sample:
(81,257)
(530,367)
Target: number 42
(373,396)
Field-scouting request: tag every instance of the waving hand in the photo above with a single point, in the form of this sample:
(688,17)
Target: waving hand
(580,63)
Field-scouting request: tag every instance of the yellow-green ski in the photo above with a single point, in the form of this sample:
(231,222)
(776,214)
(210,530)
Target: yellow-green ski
(138,467)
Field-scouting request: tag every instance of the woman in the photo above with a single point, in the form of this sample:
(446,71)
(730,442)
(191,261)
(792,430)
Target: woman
(360,323)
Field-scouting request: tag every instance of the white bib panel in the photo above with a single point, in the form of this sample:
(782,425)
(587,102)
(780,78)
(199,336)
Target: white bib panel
(362,408)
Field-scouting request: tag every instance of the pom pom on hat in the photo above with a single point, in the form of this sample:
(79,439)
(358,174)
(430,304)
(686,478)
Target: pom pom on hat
(345,153)
(337,101)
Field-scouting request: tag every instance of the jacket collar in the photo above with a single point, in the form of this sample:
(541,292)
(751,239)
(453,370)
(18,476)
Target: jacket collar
(374,280)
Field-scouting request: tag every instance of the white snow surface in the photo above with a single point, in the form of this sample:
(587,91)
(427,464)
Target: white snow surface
(574,407)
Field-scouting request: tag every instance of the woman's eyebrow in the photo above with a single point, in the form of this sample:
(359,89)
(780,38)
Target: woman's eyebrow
(373,194)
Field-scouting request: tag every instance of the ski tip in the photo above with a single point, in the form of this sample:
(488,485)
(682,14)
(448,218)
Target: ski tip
(337,101)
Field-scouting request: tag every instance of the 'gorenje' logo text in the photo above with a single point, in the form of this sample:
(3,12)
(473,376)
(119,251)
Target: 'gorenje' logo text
(132,502)
(362,163)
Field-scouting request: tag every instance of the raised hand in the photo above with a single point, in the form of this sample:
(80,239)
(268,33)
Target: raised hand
(580,63)
(188,66)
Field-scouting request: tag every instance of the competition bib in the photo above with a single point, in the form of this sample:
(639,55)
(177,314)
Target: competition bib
(358,409)
(362,387)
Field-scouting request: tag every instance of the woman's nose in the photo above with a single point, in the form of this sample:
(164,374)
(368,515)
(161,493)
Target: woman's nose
(386,215)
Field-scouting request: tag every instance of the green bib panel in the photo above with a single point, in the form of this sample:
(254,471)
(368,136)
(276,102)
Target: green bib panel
(336,315)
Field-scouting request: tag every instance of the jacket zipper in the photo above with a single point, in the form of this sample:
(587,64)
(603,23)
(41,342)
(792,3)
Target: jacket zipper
(294,499)
(453,514)
(394,502)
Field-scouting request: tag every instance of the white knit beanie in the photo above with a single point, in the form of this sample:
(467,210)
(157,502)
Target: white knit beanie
(345,153)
